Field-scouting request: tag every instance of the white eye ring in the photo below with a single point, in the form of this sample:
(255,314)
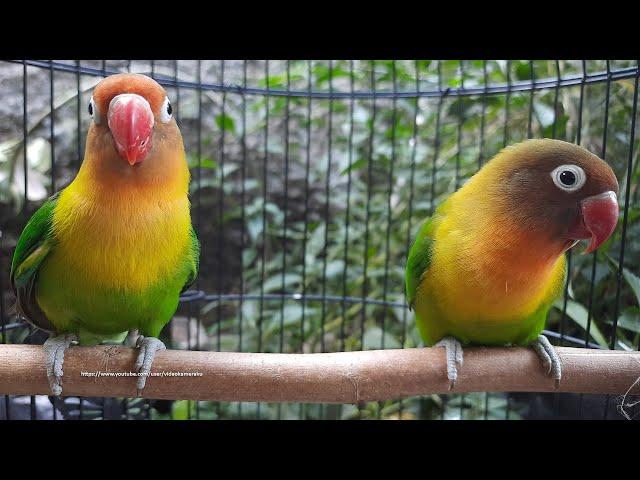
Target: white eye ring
(569,178)
(166,111)
(93,111)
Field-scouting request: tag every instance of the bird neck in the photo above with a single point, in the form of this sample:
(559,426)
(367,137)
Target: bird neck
(506,250)
(111,180)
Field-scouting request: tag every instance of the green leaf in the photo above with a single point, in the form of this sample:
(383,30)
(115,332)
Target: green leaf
(275,282)
(629,320)
(180,410)
(633,281)
(208,163)
(225,122)
(523,71)
(357,165)
(579,314)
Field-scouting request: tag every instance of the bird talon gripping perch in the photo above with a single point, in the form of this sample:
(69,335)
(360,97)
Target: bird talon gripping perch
(129,198)
(549,356)
(454,357)
(148,348)
(54,349)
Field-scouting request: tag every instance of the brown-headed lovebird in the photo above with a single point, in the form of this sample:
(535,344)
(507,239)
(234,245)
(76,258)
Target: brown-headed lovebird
(487,266)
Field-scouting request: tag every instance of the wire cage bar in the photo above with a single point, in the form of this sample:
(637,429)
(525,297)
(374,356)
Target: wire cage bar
(309,182)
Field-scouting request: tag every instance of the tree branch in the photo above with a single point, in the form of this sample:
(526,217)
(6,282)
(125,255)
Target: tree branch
(347,377)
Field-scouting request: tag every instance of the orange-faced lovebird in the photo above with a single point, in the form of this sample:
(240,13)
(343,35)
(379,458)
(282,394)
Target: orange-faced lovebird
(111,252)
(487,266)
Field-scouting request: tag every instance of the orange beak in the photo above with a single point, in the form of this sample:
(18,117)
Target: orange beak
(131,123)
(598,219)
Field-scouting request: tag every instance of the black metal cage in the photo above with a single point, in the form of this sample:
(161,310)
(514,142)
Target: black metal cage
(309,182)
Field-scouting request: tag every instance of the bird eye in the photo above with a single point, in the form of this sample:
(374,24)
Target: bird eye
(569,178)
(166,111)
(93,111)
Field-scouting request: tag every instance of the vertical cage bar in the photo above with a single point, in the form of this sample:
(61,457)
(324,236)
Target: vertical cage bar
(507,98)
(25,136)
(625,218)
(25,160)
(326,210)
(221,235)
(198,217)
(52,138)
(434,166)
(414,143)
(483,114)
(563,320)
(243,177)
(307,168)
(221,226)
(286,201)
(264,211)
(436,142)
(104,74)
(505,141)
(391,173)
(556,397)
(531,99)
(3,321)
(460,123)
(79,121)
(555,100)
(368,204)
(385,282)
(286,211)
(77,164)
(594,255)
(177,102)
(199,199)
(345,257)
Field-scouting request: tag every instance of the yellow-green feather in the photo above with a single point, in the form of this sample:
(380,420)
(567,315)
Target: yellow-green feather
(98,266)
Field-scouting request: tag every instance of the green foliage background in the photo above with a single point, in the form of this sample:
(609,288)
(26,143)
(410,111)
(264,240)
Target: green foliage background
(323,197)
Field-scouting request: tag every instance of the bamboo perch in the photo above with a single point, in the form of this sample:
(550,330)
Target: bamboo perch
(348,377)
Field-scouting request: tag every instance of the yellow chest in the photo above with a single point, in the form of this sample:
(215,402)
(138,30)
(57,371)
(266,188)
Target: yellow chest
(483,270)
(124,241)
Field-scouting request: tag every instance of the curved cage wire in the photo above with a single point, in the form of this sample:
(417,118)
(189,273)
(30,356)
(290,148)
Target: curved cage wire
(309,181)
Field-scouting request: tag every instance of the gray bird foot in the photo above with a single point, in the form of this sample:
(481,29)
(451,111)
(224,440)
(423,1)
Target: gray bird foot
(453,353)
(54,348)
(148,348)
(131,340)
(549,356)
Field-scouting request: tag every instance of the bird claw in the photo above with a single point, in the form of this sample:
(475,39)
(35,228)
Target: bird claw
(148,348)
(550,358)
(454,356)
(131,340)
(54,349)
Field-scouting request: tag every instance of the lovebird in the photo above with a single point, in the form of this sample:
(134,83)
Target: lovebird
(487,266)
(108,256)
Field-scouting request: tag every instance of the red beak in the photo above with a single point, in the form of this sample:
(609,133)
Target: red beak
(598,219)
(131,123)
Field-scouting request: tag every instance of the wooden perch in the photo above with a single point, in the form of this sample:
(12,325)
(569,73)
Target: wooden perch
(348,377)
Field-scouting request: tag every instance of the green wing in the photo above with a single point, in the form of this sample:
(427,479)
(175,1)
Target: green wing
(34,244)
(194,261)
(419,260)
